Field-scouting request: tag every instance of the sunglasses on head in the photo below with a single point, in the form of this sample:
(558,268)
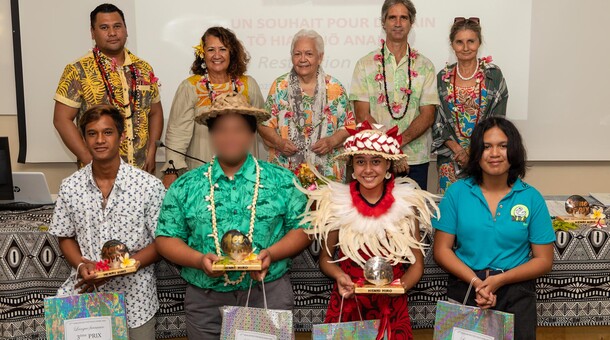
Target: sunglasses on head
(462,19)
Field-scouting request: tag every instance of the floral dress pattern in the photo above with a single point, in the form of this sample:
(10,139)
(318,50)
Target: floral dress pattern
(494,100)
(463,124)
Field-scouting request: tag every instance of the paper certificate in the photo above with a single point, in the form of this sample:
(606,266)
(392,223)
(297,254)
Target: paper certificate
(99,327)
(464,334)
(249,335)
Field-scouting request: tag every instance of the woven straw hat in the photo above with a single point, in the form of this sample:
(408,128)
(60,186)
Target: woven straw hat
(373,140)
(232,103)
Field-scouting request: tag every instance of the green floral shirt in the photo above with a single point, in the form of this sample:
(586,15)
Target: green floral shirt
(365,88)
(185,214)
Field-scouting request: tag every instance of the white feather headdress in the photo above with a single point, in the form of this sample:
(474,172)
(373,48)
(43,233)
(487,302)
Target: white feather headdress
(389,236)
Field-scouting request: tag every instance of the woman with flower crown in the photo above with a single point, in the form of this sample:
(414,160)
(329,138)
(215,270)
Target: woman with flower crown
(375,215)
(470,90)
(219,67)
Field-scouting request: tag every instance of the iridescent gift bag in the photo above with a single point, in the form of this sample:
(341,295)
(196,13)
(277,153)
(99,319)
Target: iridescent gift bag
(474,321)
(256,323)
(468,322)
(57,309)
(354,330)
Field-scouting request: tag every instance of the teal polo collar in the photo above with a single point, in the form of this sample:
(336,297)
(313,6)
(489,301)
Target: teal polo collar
(518,186)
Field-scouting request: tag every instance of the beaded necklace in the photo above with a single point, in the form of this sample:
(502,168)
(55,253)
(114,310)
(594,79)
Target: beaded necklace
(235,83)
(134,96)
(452,99)
(381,78)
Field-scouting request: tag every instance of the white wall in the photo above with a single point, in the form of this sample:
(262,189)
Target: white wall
(571,32)
(8,105)
(164,32)
(569,115)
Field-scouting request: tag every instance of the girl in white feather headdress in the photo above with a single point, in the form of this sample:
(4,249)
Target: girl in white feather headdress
(375,215)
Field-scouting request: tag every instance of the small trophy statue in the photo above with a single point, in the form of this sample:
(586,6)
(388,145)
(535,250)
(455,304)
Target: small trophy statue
(239,255)
(577,206)
(115,260)
(583,214)
(380,277)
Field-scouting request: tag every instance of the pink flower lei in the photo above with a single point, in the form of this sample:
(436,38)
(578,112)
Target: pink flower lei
(383,97)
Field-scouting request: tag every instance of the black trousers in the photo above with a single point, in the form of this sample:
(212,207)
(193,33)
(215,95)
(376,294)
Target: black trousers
(418,173)
(517,298)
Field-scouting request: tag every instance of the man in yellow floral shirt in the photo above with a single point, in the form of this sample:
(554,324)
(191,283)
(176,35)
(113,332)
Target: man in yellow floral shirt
(110,74)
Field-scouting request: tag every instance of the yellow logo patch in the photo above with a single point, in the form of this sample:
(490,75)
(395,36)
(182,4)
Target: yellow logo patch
(520,213)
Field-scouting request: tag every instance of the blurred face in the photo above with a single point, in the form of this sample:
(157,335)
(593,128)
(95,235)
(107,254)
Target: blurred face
(370,170)
(466,45)
(109,32)
(305,57)
(494,161)
(397,24)
(231,137)
(102,139)
(217,55)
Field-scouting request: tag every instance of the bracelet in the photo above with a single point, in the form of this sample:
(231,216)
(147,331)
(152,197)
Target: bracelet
(78,269)
(473,280)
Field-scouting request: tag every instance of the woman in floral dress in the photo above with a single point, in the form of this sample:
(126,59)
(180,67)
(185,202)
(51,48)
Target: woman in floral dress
(309,112)
(470,90)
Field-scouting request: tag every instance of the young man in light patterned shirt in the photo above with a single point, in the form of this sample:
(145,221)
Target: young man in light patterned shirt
(396,85)
(105,200)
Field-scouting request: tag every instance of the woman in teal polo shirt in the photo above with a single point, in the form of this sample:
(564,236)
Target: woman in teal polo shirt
(500,227)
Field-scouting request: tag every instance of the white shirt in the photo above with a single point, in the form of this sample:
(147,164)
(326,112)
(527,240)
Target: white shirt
(130,216)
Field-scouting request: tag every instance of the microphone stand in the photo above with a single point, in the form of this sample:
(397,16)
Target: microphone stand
(160,144)
(173,170)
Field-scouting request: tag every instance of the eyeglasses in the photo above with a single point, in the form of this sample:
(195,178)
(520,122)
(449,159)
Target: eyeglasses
(458,20)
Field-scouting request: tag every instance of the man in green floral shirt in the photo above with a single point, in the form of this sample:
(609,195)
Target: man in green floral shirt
(396,85)
(233,191)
